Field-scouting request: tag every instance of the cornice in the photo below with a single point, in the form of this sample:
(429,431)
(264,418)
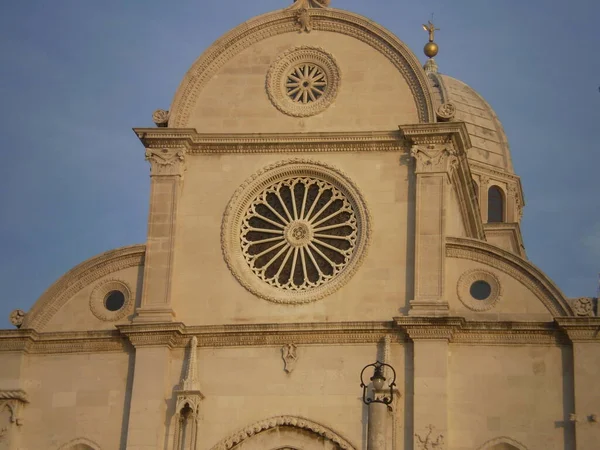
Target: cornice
(31,342)
(197,143)
(77,278)
(515,266)
(438,133)
(455,330)
(580,329)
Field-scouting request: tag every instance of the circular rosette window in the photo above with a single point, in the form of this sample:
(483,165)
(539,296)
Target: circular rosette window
(303,81)
(295,232)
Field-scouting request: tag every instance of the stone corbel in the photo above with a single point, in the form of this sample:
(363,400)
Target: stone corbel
(580,329)
(166,161)
(15,401)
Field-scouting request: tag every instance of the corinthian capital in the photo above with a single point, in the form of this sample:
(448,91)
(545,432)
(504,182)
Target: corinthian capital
(434,158)
(166,161)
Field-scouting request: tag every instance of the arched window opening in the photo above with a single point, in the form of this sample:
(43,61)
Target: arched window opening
(495,205)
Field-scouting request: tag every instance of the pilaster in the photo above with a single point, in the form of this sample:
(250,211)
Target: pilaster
(430,337)
(583,333)
(151,383)
(167,166)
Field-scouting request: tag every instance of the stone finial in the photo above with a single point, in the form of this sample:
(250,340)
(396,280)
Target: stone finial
(300,4)
(161,118)
(17,317)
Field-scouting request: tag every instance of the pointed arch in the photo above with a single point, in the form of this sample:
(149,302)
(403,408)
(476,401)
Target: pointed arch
(502,443)
(283,421)
(80,444)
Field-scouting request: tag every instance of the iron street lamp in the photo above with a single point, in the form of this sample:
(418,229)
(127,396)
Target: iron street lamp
(379,381)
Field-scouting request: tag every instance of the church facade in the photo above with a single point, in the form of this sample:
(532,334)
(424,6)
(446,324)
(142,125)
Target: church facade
(320,204)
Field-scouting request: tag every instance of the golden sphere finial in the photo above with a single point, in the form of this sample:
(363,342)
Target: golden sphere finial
(431,48)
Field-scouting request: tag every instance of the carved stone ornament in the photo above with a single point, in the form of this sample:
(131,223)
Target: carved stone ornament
(100,294)
(295,231)
(303,81)
(166,162)
(161,118)
(14,401)
(583,307)
(428,441)
(290,357)
(305,4)
(304,20)
(17,317)
(434,158)
(446,111)
(283,421)
(465,286)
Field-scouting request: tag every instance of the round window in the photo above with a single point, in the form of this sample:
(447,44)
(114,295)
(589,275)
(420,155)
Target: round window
(295,232)
(481,290)
(114,301)
(111,300)
(303,82)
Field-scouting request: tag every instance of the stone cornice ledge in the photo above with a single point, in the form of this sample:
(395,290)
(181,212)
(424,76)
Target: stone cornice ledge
(153,334)
(31,342)
(458,330)
(580,329)
(196,143)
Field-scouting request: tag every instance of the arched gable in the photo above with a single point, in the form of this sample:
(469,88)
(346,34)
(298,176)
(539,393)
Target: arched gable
(285,21)
(528,274)
(77,278)
(502,443)
(283,421)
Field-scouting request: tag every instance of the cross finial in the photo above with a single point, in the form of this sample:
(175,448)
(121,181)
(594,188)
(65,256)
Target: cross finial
(430,27)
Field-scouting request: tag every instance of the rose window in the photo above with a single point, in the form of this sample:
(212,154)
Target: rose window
(299,233)
(306,83)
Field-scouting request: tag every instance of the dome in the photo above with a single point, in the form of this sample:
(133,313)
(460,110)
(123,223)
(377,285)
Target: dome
(489,143)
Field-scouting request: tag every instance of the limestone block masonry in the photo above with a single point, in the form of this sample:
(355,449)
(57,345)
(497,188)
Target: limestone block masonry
(318,203)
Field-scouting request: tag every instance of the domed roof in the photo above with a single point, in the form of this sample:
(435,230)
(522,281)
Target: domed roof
(489,143)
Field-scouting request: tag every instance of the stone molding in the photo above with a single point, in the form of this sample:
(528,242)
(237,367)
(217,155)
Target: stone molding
(463,289)
(69,445)
(201,143)
(489,445)
(285,21)
(82,275)
(278,72)
(429,328)
(434,158)
(580,329)
(241,201)
(283,421)
(99,293)
(31,342)
(403,329)
(515,266)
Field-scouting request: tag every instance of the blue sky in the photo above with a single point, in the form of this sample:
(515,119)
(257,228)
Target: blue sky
(78,75)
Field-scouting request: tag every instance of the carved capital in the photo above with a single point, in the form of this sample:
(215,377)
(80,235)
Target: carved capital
(484,182)
(434,158)
(166,161)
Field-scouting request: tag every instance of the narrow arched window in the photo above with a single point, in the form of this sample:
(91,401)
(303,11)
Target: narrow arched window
(495,205)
